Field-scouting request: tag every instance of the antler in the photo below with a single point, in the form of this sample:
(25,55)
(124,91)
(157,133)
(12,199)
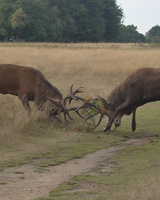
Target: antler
(66,113)
(87,103)
(72,96)
(102,110)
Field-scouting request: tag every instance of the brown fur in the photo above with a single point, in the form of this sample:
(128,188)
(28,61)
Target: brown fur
(139,88)
(30,84)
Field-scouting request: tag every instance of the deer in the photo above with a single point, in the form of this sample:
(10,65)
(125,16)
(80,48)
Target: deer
(139,88)
(30,84)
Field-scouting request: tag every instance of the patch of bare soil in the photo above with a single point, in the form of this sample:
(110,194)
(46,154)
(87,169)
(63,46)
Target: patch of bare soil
(24,182)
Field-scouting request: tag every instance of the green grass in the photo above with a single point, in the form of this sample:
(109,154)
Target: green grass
(59,142)
(55,142)
(3,183)
(19,172)
(128,166)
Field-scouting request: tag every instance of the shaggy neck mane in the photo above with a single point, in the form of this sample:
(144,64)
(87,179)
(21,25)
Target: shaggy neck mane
(44,90)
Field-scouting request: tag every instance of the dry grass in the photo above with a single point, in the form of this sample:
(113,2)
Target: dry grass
(146,188)
(96,67)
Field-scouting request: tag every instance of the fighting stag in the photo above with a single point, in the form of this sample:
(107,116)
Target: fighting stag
(139,88)
(30,84)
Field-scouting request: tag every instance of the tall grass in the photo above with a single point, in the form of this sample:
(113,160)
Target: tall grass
(96,67)
(93,68)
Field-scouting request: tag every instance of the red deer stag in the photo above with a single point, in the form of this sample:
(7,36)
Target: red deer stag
(139,88)
(30,84)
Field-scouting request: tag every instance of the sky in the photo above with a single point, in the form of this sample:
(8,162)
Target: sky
(141,13)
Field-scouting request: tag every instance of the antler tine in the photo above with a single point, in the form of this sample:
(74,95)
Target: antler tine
(66,117)
(100,119)
(78,90)
(93,115)
(88,104)
(66,113)
(77,111)
(100,110)
(71,96)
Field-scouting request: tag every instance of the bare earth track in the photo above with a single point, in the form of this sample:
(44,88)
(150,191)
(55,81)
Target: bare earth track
(31,184)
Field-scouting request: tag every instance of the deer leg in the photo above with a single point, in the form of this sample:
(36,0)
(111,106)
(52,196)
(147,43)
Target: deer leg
(109,124)
(118,110)
(134,120)
(25,103)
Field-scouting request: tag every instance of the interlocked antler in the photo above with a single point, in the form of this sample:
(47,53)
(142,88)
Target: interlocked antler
(66,113)
(72,96)
(87,103)
(102,110)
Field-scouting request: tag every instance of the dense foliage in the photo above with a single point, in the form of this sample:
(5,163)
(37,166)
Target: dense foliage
(60,20)
(153,35)
(130,34)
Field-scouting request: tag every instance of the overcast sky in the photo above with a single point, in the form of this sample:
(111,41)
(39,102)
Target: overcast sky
(141,13)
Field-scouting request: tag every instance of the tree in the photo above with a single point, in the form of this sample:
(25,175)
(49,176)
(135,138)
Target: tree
(3,32)
(60,20)
(6,9)
(55,24)
(95,26)
(130,34)
(19,21)
(37,15)
(82,22)
(153,35)
(113,16)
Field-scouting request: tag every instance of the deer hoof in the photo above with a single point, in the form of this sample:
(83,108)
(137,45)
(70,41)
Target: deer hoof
(107,128)
(133,128)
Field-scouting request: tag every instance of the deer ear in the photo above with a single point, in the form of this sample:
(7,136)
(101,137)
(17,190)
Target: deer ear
(53,100)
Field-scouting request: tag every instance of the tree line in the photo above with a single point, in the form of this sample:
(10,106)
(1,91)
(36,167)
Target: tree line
(64,21)
(60,20)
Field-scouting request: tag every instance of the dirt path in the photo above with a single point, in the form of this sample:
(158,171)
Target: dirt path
(31,184)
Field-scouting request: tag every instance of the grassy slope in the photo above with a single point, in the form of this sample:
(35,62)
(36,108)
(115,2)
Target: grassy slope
(134,172)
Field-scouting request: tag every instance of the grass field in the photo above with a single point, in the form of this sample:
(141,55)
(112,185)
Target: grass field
(98,68)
